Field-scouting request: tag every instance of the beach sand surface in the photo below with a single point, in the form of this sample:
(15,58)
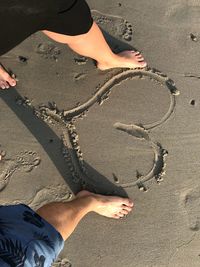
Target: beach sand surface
(133,133)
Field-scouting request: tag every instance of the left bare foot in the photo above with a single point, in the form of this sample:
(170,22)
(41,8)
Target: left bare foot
(125,59)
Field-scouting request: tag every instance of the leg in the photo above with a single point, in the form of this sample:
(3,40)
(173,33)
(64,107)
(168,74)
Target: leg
(66,216)
(93,45)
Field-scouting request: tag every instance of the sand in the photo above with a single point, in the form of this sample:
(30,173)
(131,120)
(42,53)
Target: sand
(68,125)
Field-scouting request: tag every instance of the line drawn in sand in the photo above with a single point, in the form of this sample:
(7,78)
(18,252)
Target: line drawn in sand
(80,60)
(71,150)
(25,161)
(104,91)
(48,50)
(158,169)
(66,120)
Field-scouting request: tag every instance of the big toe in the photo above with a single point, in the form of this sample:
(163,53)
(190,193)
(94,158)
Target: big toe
(11,81)
(139,59)
(142,63)
(7,78)
(3,85)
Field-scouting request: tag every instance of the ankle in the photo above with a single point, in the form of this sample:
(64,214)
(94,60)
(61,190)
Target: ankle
(110,60)
(85,204)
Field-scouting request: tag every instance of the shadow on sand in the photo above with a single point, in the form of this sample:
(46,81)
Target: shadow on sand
(42,133)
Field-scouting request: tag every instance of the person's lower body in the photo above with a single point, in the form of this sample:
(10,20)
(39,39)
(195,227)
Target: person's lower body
(26,239)
(36,238)
(75,27)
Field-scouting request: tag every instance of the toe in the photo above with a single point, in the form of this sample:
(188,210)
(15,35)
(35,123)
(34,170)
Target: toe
(140,57)
(6,77)
(116,216)
(124,212)
(140,60)
(7,85)
(2,85)
(135,53)
(121,214)
(143,64)
(128,209)
(11,81)
(127,202)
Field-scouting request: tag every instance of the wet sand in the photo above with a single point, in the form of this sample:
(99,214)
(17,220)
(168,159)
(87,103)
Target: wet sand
(68,126)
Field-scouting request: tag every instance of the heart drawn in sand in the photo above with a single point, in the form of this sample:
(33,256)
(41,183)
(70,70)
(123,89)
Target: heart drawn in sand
(68,120)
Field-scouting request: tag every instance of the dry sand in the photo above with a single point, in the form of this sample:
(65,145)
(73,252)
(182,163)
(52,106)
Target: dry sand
(139,134)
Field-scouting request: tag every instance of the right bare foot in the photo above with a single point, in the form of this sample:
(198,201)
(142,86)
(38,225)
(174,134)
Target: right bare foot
(125,59)
(109,206)
(5,79)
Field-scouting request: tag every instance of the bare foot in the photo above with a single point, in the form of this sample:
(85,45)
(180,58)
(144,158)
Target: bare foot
(5,79)
(125,59)
(109,206)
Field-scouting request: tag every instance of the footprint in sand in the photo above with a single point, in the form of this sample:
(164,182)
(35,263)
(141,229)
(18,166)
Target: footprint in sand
(24,161)
(55,192)
(48,50)
(80,60)
(192,206)
(114,25)
(48,194)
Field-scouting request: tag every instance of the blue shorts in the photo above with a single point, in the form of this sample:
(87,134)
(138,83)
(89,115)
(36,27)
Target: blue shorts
(26,239)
